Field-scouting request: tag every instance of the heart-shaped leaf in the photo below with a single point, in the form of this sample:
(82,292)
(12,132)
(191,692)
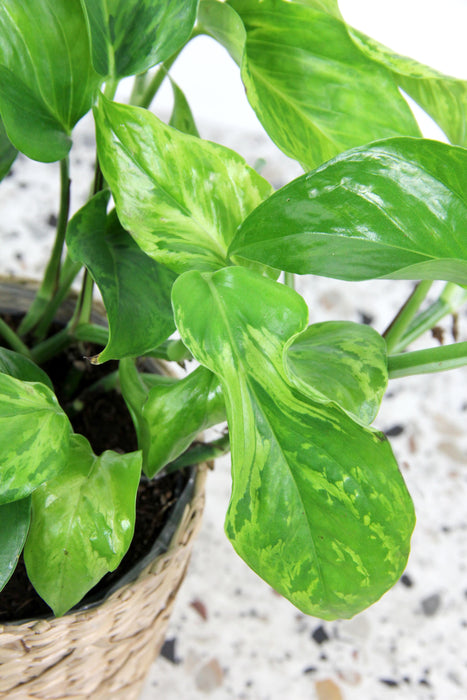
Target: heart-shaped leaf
(181,198)
(340,362)
(82,523)
(135,288)
(15,518)
(313,90)
(47,82)
(34,437)
(131,36)
(318,507)
(396,208)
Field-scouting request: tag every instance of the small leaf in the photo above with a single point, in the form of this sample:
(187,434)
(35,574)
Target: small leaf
(15,518)
(340,362)
(181,198)
(8,152)
(220,21)
(318,507)
(135,289)
(168,413)
(396,208)
(313,90)
(178,413)
(442,97)
(47,82)
(182,117)
(82,524)
(131,36)
(19,366)
(34,437)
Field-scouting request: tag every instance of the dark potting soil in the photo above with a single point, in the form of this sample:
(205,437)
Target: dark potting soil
(104,420)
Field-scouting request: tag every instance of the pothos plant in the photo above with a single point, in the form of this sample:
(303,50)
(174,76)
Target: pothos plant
(195,242)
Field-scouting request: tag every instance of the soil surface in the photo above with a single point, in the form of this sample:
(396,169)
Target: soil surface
(104,420)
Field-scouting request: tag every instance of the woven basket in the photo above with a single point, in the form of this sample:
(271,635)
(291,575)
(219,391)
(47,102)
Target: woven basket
(102,651)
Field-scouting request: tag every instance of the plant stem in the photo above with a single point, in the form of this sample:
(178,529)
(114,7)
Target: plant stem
(428,361)
(289,279)
(51,278)
(201,452)
(13,340)
(51,347)
(68,273)
(451,298)
(82,313)
(405,315)
(91,333)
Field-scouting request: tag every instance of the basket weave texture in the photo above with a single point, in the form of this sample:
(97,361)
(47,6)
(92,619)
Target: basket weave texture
(104,652)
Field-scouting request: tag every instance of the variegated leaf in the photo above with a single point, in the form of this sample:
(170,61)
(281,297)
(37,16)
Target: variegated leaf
(318,507)
(34,437)
(181,198)
(340,362)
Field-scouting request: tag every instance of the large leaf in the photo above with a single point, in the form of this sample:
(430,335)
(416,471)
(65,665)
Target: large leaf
(318,506)
(135,288)
(82,524)
(312,89)
(131,36)
(180,197)
(15,518)
(442,97)
(395,209)
(21,367)
(340,362)
(47,82)
(8,152)
(34,437)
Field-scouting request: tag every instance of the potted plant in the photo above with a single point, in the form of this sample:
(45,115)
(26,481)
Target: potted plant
(196,242)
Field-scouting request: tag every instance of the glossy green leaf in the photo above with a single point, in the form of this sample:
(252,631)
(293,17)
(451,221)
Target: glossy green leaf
(318,507)
(182,198)
(82,524)
(135,288)
(395,209)
(340,362)
(47,82)
(131,36)
(15,518)
(34,437)
(19,366)
(8,152)
(168,413)
(178,413)
(313,90)
(442,97)
(220,21)
(182,116)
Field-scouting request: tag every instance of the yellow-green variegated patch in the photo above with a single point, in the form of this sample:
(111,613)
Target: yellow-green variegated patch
(318,507)
(34,437)
(181,198)
(340,362)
